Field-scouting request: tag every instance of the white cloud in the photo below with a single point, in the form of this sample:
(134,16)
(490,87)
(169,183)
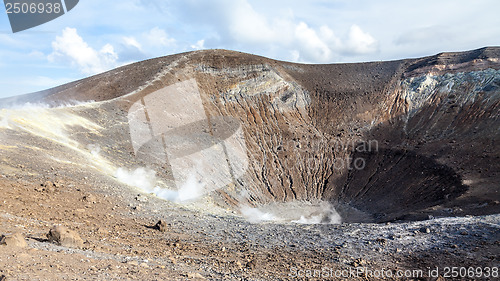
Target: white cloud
(360,42)
(131,41)
(248,26)
(313,48)
(71,47)
(239,25)
(199,45)
(268,28)
(158,37)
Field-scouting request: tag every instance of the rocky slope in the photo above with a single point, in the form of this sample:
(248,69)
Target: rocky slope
(392,140)
(219,134)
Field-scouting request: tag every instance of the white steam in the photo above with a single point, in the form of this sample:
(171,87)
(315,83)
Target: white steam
(255,215)
(41,105)
(4,122)
(145,179)
(94,149)
(295,212)
(193,189)
(190,190)
(142,178)
(326,214)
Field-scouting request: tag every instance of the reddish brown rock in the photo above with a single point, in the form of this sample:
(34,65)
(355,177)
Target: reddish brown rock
(65,237)
(13,240)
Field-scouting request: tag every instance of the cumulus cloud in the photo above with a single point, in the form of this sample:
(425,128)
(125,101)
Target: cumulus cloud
(158,37)
(199,45)
(151,43)
(71,47)
(313,46)
(238,24)
(130,50)
(247,25)
(360,42)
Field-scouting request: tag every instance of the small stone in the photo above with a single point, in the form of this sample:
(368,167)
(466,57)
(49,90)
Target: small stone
(13,240)
(161,226)
(173,260)
(101,230)
(425,230)
(358,262)
(195,276)
(141,198)
(145,265)
(135,263)
(251,264)
(90,198)
(49,187)
(59,184)
(65,237)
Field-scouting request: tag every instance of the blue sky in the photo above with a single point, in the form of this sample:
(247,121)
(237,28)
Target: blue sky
(100,35)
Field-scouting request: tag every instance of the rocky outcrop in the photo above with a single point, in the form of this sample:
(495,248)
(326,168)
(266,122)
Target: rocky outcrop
(13,240)
(393,140)
(65,237)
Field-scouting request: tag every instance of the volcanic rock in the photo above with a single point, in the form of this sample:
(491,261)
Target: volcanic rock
(65,237)
(13,240)
(161,226)
(47,186)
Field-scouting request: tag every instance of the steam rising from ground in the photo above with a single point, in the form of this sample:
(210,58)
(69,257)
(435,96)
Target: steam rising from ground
(54,123)
(38,105)
(4,122)
(255,215)
(193,189)
(296,212)
(141,178)
(145,179)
